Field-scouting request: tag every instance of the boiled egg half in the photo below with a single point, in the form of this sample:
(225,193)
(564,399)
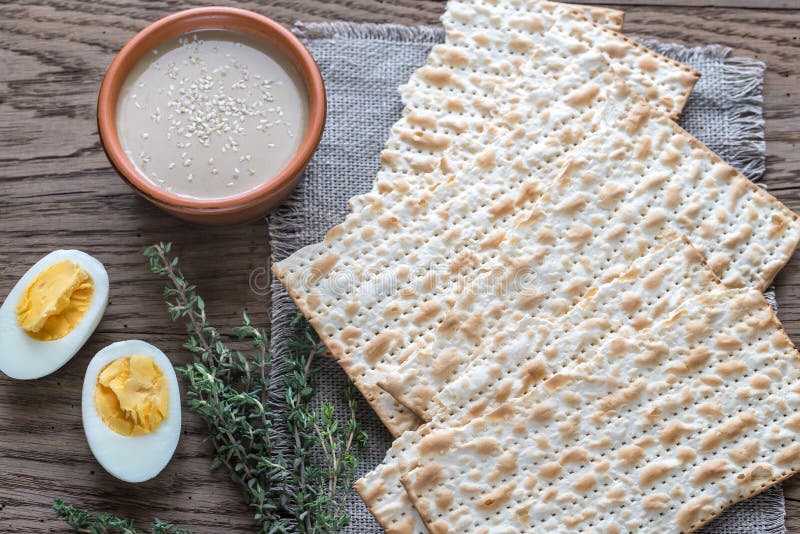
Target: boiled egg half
(131,409)
(50,313)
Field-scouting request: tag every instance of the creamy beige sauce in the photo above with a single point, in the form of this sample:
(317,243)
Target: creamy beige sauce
(211,114)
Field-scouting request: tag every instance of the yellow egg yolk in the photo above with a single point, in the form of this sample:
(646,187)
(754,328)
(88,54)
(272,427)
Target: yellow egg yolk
(132,396)
(55,302)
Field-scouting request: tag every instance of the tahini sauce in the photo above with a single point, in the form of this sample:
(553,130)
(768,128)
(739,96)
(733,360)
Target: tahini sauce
(211,114)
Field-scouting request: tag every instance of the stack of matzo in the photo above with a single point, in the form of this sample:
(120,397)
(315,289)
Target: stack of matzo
(541,230)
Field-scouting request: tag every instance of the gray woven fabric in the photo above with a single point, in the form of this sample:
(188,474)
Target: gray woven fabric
(363,65)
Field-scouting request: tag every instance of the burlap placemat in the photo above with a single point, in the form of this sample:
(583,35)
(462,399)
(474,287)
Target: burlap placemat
(363,65)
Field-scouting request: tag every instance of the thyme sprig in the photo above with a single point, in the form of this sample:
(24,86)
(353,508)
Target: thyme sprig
(228,390)
(320,491)
(90,523)
(295,464)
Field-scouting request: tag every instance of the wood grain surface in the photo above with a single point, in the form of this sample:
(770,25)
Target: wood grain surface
(58,191)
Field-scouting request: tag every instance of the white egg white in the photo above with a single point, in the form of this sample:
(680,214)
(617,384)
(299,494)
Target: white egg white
(131,458)
(24,357)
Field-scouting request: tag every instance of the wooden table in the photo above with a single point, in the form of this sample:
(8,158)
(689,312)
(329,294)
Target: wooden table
(58,191)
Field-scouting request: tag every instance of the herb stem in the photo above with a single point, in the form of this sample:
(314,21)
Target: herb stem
(180,287)
(272,452)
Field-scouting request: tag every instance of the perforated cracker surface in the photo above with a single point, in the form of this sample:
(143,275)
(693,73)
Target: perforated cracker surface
(664,432)
(445,125)
(390,324)
(653,286)
(329,277)
(563,252)
(600,213)
(513,26)
(613,19)
(453,380)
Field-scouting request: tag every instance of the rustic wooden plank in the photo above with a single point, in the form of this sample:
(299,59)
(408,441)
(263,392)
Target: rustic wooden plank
(737,4)
(791,491)
(58,191)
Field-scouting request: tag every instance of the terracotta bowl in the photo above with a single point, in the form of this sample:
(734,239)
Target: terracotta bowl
(246,206)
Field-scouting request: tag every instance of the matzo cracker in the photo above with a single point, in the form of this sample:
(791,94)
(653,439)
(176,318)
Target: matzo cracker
(653,286)
(657,433)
